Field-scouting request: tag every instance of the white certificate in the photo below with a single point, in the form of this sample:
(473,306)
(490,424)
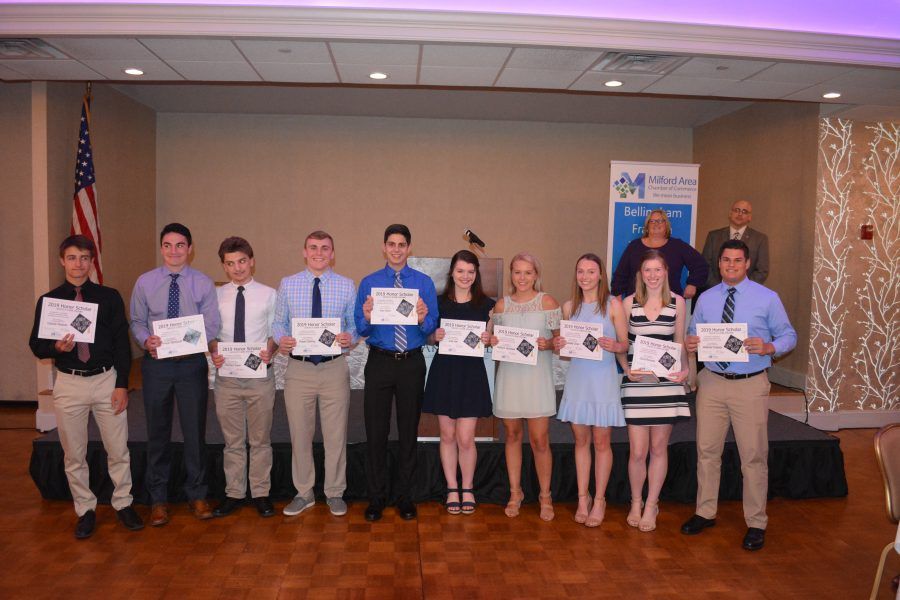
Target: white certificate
(722,342)
(242,360)
(180,336)
(394,306)
(316,337)
(516,345)
(658,356)
(582,340)
(462,338)
(62,317)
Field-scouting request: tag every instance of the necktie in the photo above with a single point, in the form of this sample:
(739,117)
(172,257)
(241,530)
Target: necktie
(736,236)
(316,313)
(399,330)
(727,317)
(82,348)
(173,307)
(239,315)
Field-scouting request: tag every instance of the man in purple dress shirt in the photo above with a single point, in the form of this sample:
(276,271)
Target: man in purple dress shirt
(174,290)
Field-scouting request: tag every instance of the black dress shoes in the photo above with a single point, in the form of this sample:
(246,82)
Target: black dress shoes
(755,539)
(373,511)
(696,524)
(264,506)
(130,519)
(228,506)
(85,526)
(406,509)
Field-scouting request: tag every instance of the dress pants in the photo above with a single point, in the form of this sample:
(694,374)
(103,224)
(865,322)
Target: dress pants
(183,380)
(74,398)
(744,403)
(244,409)
(387,379)
(328,385)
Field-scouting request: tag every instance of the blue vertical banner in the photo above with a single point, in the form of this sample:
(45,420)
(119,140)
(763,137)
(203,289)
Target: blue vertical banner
(636,188)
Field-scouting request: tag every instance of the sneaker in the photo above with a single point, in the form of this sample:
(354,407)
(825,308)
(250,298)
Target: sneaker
(298,505)
(337,506)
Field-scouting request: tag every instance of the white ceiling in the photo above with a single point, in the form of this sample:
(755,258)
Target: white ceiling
(760,72)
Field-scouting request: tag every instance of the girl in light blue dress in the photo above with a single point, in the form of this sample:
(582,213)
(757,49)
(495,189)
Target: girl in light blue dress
(590,400)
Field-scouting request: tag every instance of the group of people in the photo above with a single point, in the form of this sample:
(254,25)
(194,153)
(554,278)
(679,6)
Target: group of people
(93,378)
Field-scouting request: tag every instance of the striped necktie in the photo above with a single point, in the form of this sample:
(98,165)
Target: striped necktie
(399,330)
(82,348)
(727,317)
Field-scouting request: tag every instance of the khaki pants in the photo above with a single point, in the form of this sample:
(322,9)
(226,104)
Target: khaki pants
(744,403)
(74,398)
(244,409)
(327,383)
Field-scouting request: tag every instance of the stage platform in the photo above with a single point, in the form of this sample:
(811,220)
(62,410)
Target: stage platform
(803,462)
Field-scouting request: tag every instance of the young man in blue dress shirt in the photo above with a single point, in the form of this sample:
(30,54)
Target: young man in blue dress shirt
(317,292)
(174,290)
(395,368)
(737,393)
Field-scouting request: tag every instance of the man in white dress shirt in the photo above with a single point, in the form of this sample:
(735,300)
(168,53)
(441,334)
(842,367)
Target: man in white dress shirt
(244,405)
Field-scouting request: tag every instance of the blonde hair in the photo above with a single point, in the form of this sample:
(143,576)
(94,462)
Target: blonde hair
(665,218)
(602,287)
(640,288)
(534,262)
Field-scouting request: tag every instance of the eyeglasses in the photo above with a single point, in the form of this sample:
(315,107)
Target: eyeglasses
(740,211)
(655,222)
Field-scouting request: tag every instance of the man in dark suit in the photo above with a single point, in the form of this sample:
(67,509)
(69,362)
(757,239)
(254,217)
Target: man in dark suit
(739,218)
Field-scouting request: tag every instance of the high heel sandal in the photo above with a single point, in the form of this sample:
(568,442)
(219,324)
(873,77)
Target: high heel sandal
(515,502)
(467,508)
(453,507)
(648,520)
(634,516)
(594,520)
(581,517)
(547,513)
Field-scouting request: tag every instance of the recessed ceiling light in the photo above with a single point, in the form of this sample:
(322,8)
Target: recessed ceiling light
(832,95)
(133,71)
(613,83)
(378,75)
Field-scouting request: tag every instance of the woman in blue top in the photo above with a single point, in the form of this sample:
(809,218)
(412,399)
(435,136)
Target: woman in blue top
(590,400)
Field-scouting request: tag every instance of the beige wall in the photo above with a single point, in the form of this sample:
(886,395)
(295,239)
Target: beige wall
(124,138)
(16,271)
(856,287)
(766,154)
(272,179)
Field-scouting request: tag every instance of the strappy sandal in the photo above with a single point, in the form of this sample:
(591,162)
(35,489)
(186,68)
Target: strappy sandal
(597,514)
(515,503)
(634,516)
(547,513)
(453,508)
(581,517)
(468,507)
(648,520)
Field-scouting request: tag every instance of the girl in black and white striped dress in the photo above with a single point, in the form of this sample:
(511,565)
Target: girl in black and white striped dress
(651,408)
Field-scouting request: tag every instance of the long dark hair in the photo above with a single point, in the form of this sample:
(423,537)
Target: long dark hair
(602,287)
(477,291)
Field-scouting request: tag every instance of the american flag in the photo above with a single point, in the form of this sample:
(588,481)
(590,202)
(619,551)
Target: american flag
(85,218)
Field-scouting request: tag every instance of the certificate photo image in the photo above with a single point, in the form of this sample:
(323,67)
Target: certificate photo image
(659,357)
(316,337)
(722,342)
(394,306)
(582,340)
(517,345)
(462,338)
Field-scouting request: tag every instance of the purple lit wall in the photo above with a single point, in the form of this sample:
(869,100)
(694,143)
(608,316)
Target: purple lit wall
(869,18)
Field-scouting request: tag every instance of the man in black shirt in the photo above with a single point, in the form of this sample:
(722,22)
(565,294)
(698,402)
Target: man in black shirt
(92,378)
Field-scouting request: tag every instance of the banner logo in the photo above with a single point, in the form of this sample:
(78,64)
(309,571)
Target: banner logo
(625,185)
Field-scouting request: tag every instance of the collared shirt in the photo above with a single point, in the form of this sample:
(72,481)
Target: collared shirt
(295,301)
(383,335)
(259,311)
(150,298)
(110,347)
(757,306)
(740,232)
